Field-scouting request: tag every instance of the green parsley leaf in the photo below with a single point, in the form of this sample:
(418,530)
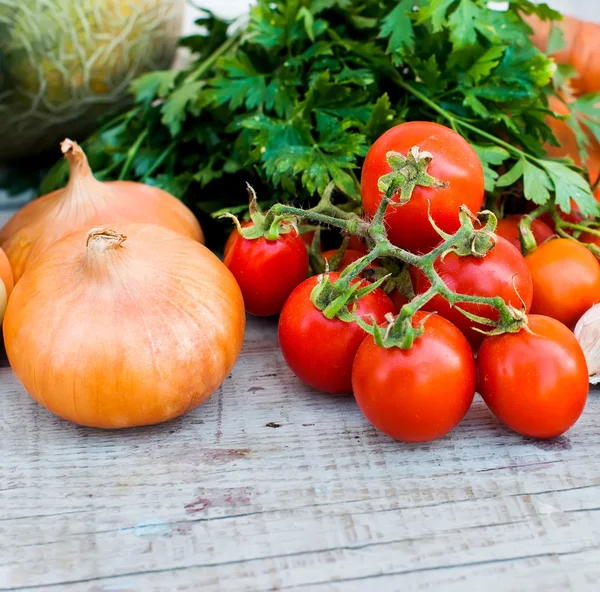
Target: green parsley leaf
(382,117)
(435,13)
(397,28)
(587,108)
(490,156)
(174,109)
(556,40)
(484,65)
(463,24)
(536,183)
(153,85)
(570,185)
(513,175)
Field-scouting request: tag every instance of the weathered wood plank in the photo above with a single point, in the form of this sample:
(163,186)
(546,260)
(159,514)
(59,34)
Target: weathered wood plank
(219,501)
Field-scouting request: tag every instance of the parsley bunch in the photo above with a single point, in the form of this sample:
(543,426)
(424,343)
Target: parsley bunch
(293,99)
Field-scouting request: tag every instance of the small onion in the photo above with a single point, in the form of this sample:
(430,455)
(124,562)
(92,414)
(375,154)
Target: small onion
(124,327)
(85,203)
(587,332)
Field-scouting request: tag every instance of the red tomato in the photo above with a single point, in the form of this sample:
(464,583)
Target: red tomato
(267,271)
(588,237)
(497,274)
(454,162)
(418,394)
(233,236)
(508,228)
(318,350)
(574,217)
(350,256)
(357,245)
(536,383)
(566,280)
(308,238)
(398,298)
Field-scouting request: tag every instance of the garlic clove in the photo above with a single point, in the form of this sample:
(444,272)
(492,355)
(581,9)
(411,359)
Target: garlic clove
(587,332)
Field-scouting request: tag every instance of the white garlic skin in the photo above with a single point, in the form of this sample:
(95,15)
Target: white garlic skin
(587,332)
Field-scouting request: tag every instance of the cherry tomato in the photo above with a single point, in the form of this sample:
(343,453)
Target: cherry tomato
(574,217)
(357,245)
(508,228)
(502,272)
(398,298)
(418,394)
(566,280)
(308,238)
(233,236)
(454,162)
(535,382)
(588,237)
(318,350)
(267,271)
(350,256)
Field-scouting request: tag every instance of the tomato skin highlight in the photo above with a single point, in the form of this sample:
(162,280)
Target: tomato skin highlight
(566,280)
(536,384)
(320,351)
(497,274)
(454,161)
(419,394)
(508,228)
(267,271)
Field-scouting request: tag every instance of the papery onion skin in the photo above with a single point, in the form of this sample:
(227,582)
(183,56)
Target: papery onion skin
(3,300)
(6,274)
(129,335)
(86,203)
(587,332)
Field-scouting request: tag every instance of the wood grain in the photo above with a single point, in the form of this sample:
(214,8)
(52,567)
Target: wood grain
(223,500)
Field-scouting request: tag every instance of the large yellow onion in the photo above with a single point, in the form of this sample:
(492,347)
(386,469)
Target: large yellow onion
(127,326)
(85,203)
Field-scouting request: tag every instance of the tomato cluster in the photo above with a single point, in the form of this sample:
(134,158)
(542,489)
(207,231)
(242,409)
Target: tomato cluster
(532,375)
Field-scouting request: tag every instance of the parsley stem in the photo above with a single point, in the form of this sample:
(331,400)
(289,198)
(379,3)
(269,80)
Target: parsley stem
(164,155)
(457,121)
(213,57)
(132,152)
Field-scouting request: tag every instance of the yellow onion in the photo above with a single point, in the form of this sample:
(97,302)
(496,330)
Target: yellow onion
(6,282)
(85,203)
(126,326)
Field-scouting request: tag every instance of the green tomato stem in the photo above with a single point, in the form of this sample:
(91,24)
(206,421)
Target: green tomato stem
(337,299)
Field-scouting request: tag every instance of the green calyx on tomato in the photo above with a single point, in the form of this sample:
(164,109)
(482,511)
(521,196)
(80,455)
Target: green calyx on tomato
(338,299)
(400,331)
(477,243)
(270,226)
(407,173)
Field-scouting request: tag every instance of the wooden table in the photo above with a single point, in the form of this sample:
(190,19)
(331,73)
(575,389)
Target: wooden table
(272,486)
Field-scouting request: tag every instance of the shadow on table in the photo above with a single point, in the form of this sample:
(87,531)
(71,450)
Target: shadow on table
(3,358)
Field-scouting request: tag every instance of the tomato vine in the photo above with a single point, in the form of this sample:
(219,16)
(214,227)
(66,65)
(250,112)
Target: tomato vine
(475,237)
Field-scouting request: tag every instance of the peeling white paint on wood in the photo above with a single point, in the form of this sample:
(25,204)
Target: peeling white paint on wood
(218,501)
